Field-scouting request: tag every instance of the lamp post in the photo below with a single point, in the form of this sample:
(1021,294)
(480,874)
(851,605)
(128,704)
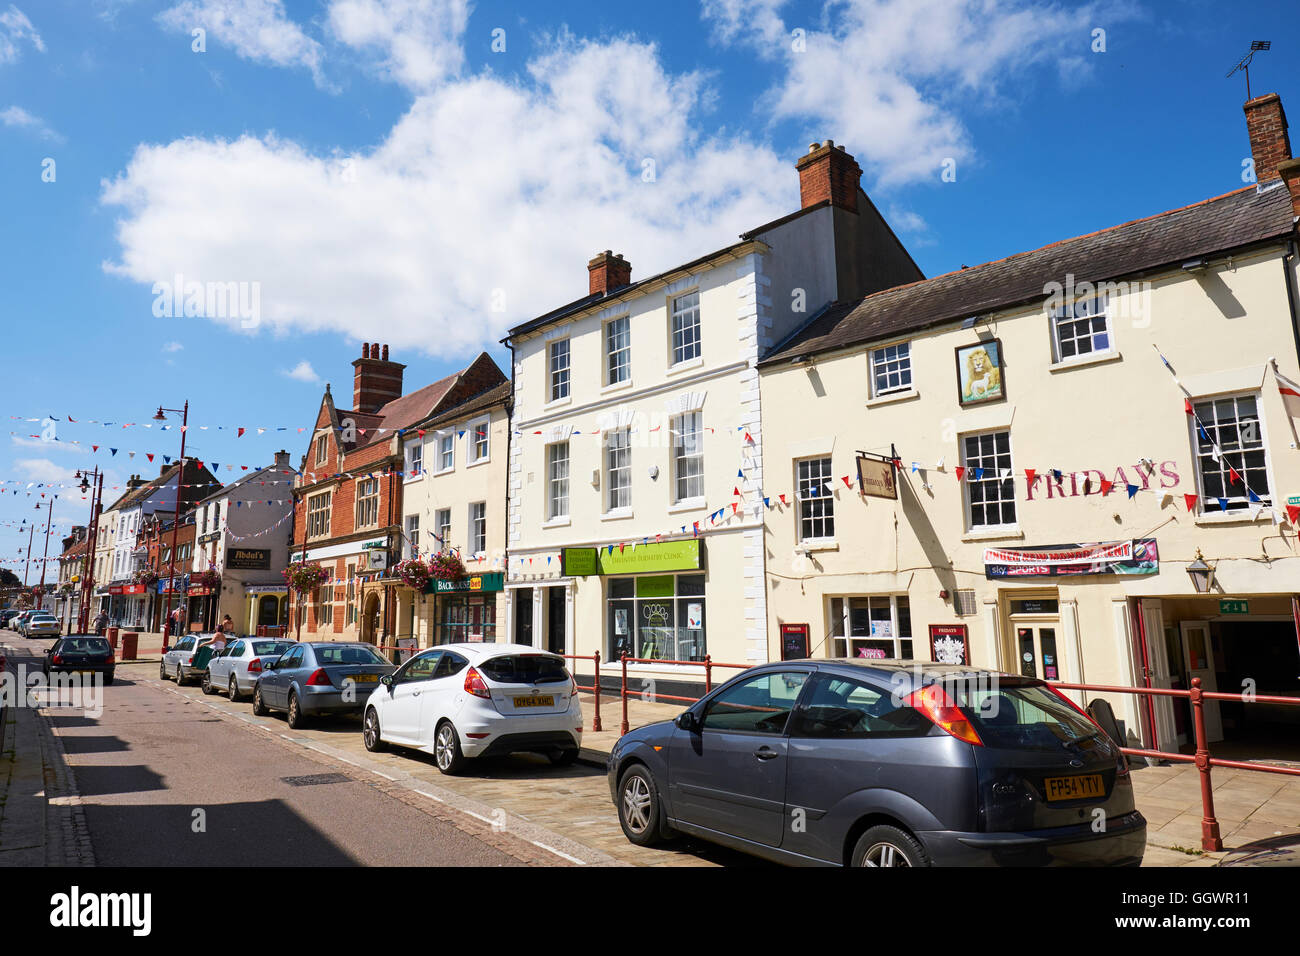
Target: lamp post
(88,479)
(161,416)
(49,515)
(27,563)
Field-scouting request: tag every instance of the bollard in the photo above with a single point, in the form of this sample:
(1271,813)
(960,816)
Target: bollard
(595,724)
(1210,839)
(708,673)
(623,693)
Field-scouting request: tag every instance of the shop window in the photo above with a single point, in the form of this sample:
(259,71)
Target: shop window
(659,617)
(871,627)
(1232,441)
(470,618)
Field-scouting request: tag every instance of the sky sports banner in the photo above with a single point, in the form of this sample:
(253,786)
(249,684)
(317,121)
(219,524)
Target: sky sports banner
(1136,556)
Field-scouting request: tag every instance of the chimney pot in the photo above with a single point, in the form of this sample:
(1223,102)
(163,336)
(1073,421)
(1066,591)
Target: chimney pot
(376,381)
(365,350)
(607,273)
(1270,143)
(385,353)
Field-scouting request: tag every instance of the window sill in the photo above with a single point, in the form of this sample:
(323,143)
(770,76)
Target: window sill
(1089,359)
(814,546)
(1232,517)
(687,504)
(686,366)
(558,522)
(617,387)
(902,395)
(994,534)
(558,402)
(444,471)
(618,514)
(481,461)
(409,478)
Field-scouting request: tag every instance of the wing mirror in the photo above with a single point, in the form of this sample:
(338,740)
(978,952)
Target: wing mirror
(386,680)
(686,721)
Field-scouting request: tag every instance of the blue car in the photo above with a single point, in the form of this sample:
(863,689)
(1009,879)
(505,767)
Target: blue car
(882,763)
(324,677)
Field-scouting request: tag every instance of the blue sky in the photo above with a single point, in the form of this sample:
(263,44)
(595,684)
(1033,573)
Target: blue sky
(380,173)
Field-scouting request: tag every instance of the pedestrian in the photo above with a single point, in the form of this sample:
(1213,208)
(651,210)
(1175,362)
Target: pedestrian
(227,625)
(101,622)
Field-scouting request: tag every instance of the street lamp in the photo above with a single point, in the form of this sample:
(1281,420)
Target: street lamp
(89,478)
(1202,574)
(161,416)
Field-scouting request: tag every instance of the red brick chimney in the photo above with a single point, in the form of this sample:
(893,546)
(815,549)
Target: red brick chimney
(827,172)
(376,381)
(608,272)
(1269,142)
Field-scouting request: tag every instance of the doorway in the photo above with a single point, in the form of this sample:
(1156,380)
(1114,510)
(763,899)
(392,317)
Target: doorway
(555,599)
(1198,661)
(523,599)
(370,618)
(1035,633)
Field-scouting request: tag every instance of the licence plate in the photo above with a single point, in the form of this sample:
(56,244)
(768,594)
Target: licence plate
(1074,788)
(365,678)
(541,700)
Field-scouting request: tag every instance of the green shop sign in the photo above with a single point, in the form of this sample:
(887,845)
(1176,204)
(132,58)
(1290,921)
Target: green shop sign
(684,555)
(1233,606)
(492,581)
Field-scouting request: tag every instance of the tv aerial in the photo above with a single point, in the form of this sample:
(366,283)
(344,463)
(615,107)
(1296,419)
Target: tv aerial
(1256,46)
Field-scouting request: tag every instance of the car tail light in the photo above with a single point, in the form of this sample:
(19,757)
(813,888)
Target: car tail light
(56,659)
(475,685)
(112,658)
(933,701)
(573,690)
(255,666)
(319,679)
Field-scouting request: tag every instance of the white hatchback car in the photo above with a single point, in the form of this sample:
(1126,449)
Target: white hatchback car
(459,701)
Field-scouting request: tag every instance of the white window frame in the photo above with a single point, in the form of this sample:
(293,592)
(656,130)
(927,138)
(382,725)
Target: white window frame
(675,310)
(446,445)
(559,381)
(1240,503)
(442,528)
(1097,306)
(558,486)
(411,537)
(624,352)
(472,457)
(822,498)
(968,481)
(367,502)
(414,461)
(900,365)
(477,528)
(623,468)
(318,515)
(679,456)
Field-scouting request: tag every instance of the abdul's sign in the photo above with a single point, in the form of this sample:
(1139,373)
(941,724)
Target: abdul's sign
(248,559)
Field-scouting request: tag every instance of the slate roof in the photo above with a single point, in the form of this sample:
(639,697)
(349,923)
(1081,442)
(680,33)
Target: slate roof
(1231,221)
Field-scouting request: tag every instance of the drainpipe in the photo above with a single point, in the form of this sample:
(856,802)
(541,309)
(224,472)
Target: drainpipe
(505,573)
(1287,261)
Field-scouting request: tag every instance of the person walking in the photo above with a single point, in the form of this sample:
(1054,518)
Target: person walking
(101,622)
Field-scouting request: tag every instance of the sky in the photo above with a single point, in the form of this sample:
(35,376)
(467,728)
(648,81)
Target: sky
(428,173)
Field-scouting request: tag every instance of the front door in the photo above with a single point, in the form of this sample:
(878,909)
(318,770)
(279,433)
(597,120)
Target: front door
(524,616)
(555,619)
(1198,656)
(729,774)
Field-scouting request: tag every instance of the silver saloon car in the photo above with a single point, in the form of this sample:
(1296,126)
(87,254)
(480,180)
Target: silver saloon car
(236,669)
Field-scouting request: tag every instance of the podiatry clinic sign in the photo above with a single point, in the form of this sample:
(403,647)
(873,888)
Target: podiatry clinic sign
(1135,556)
(684,555)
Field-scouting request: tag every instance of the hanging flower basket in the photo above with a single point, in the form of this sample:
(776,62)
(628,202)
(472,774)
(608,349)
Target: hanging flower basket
(413,572)
(305,577)
(206,579)
(447,566)
(146,576)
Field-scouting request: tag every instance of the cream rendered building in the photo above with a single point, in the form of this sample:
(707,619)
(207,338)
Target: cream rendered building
(637,445)
(1085,438)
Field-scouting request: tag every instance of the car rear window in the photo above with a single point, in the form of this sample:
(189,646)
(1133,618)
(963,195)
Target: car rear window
(270,647)
(1022,716)
(84,645)
(525,669)
(349,654)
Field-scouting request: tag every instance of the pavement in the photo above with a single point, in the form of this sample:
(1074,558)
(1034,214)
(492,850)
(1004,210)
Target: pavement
(568,810)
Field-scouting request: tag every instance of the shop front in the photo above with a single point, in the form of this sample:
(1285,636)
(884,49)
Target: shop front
(135,605)
(266,609)
(466,609)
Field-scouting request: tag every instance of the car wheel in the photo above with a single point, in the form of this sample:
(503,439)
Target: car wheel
(370,732)
(207,685)
(108,678)
(888,846)
(564,758)
(162,671)
(259,705)
(179,677)
(446,749)
(638,807)
(233,690)
(296,719)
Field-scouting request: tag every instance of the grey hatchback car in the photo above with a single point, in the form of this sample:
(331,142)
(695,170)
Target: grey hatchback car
(326,677)
(882,763)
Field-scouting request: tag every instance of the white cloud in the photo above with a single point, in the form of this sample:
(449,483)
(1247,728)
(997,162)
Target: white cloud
(44,470)
(256,30)
(172,347)
(48,446)
(15,28)
(302,372)
(478,210)
(418,42)
(887,77)
(18,118)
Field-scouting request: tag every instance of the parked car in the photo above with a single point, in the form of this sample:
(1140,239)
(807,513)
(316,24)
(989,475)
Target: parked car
(82,654)
(19,619)
(329,677)
(461,701)
(7,616)
(41,624)
(177,663)
(237,668)
(883,763)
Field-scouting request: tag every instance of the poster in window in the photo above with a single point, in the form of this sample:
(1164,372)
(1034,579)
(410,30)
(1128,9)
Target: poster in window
(620,621)
(980,374)
(949,644)
(695,615)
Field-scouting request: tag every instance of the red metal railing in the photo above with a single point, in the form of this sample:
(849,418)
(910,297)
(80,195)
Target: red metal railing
(708,664)
(595,688)
(1210,838)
